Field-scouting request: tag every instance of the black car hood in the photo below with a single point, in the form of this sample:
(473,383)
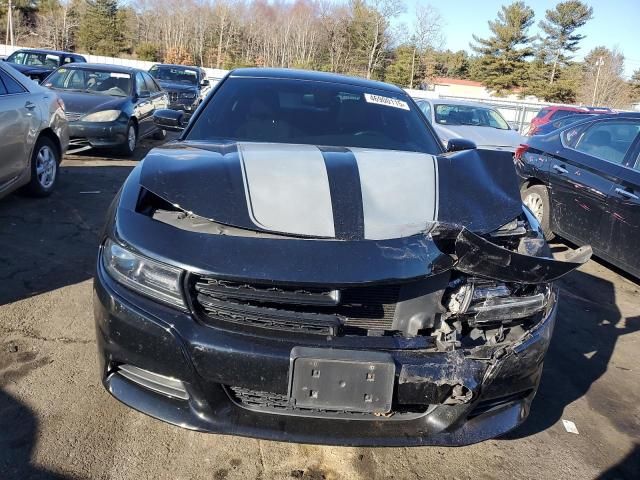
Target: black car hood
(323,192)
(299,214)
(31,70)
(80,102)
(176,87)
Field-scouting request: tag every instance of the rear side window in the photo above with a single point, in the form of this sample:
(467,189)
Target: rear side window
(561,113)
(542,113)
(608,141)
(313,113)
(151,84)
(10,85)
(426,109)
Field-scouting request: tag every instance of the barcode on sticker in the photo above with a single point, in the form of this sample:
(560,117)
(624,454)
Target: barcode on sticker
(386,101)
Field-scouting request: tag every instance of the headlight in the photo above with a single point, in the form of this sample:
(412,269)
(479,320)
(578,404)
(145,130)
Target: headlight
(103,116)
(149,277)
(190,95)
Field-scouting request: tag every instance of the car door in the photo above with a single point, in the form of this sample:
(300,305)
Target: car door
(158,96)
(623,230)
(582,174)
(19,125)
(143,106)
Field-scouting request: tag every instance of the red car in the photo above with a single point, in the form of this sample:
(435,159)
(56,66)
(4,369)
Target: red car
(548,114)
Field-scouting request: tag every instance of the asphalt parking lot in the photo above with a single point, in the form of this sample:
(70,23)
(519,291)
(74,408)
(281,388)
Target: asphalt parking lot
(56,421)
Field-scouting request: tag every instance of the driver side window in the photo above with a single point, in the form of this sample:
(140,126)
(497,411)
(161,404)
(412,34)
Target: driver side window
(141,87)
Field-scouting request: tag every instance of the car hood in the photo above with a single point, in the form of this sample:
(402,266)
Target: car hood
(31,70)
(334,193)
(176,87)
(80,102)
(482,136)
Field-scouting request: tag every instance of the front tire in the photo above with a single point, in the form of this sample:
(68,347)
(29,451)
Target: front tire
(130,141)
(536,198)
(45,161)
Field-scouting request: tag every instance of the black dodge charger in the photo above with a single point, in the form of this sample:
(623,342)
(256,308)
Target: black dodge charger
(306,263)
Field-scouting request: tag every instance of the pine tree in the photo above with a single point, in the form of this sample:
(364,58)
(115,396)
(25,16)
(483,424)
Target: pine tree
(560,25)
(100,31)
(502,56)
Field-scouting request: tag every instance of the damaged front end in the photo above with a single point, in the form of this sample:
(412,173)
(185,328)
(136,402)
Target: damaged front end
(433,338)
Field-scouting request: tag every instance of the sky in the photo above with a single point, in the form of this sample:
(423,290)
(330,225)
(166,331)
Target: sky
(615,23)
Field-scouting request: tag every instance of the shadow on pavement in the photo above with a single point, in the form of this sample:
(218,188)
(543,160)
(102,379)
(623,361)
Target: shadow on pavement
(587,329)
(49,243)
(627,469)
(18,434)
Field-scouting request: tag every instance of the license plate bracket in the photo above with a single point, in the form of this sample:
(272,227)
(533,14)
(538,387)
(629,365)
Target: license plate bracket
(347,380)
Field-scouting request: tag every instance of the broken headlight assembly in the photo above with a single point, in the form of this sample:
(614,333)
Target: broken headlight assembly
(482,302)
(146,276)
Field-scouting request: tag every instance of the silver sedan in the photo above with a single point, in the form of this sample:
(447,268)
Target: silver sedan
(33,134)
(477,122)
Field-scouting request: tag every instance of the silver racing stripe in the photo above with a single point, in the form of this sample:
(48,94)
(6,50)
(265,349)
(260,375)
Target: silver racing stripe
(399,192)
(287,188)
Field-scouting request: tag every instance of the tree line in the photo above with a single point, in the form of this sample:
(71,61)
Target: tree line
(356,37)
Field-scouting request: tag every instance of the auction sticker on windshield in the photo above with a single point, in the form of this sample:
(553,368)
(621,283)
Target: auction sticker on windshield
(386,101)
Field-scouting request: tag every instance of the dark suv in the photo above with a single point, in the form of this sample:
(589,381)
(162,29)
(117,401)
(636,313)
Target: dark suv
(38,64)
(186,86)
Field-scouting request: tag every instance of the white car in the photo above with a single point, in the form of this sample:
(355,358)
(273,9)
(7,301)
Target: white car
(477,122)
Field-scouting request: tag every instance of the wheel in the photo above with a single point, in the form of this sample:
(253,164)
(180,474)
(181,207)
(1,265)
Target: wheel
(160,135)
(536,197)
(45,160)
(131,140)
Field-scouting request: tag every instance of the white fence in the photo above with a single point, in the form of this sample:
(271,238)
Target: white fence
(214,74)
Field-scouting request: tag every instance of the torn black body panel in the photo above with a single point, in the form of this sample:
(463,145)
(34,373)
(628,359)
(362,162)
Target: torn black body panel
(478,256)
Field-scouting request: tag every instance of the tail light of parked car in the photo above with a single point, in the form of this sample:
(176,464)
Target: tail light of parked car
(520,151)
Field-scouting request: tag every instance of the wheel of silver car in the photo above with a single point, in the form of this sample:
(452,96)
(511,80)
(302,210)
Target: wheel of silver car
(536,198)
(44,167)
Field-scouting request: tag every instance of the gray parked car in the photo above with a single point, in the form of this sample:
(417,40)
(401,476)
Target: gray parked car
(474,121)
(33,134)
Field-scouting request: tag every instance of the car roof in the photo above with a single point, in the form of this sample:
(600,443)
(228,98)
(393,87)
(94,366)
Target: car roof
(450,101)
(310,75)
(105,67)
(566,107)
(38,50)
(174,65)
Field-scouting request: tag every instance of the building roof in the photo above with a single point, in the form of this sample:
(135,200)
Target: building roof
(294,74)
(455,81)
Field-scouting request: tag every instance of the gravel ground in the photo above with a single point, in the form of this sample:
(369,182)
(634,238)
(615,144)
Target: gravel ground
(56,421)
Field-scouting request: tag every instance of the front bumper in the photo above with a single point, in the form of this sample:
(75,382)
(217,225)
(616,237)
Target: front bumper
(97,134)
(134,330)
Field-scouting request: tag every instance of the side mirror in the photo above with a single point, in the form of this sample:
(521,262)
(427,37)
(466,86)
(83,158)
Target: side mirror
(205,82)
(172,120)
(458,144)
(144,94)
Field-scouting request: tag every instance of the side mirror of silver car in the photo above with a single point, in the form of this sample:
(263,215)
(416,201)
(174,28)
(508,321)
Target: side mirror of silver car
(458,144)
(172,120)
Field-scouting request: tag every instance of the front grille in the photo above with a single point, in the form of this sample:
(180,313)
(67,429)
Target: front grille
(304,310)
(268,402)
(173,96)
(73,116)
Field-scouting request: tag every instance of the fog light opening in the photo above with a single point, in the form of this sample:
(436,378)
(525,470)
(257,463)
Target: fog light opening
(171,387)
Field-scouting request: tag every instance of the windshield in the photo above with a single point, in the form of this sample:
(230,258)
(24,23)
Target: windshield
(175,74)
(87,80)
(311,112)
(34,59)
(469,115)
